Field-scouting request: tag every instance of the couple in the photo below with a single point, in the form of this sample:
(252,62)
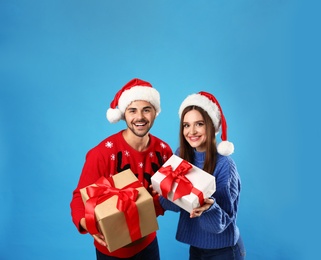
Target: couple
(211,229)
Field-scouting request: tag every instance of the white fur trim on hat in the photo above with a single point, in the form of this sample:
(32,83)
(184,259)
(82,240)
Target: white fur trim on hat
(148,94)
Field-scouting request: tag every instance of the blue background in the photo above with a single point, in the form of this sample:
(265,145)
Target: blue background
(61,62)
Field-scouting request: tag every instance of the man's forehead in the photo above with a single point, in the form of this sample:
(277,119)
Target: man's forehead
(139,104)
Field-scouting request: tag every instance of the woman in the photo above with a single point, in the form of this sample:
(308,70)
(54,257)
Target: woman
(211,229)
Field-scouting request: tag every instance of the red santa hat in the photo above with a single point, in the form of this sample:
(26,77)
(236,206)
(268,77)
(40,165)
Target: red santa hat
(136,89)
(210,104)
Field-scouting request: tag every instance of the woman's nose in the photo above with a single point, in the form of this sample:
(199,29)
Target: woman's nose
(193,130)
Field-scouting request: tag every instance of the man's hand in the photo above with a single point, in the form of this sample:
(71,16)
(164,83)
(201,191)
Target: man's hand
(98,237)
(197,212)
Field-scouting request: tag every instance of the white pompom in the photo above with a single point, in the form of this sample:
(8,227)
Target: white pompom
(225,148)
(113,115)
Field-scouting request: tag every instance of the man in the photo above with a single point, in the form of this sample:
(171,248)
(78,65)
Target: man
(138,103)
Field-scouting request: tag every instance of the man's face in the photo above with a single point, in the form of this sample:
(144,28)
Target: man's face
(139,117)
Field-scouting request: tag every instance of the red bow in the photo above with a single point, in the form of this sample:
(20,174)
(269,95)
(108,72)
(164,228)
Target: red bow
(184,186)
(127,196)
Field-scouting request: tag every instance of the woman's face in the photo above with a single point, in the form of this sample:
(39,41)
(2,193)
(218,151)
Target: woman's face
(194,130)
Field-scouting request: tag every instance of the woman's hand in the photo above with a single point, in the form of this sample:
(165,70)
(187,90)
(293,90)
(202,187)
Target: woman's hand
(197,212)
(98,237)
(152,191)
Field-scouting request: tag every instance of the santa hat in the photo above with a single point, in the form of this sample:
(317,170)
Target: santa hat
(209,103)
(136,89)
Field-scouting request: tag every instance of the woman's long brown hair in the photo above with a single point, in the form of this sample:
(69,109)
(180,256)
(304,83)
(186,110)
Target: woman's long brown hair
(187,152)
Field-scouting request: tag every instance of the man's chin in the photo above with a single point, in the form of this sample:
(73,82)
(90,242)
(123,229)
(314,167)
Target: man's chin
(140,133)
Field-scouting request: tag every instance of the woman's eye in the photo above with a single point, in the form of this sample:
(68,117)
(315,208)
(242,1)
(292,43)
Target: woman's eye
(199,124)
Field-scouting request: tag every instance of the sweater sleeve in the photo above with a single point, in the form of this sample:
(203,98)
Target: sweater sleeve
(158,207)
(92,170)
(223,212)
(168,205)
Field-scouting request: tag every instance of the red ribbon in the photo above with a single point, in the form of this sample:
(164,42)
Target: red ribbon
(127,196)
(199,194)
(184,186)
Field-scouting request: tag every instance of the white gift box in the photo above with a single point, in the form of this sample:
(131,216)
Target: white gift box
(203,183)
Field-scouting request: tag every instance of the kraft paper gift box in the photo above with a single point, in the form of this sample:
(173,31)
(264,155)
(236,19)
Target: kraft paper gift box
(102,214)
(183,183)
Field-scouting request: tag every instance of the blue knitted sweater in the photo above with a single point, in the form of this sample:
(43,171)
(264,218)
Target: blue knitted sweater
(216,227)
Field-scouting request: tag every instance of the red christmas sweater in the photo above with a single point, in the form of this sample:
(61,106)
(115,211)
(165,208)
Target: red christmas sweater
(110,157)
